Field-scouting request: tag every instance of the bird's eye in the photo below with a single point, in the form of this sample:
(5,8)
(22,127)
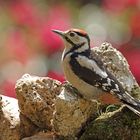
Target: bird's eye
(72,34)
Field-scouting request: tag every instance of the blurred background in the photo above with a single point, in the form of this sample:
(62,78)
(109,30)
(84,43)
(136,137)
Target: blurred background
(27,44)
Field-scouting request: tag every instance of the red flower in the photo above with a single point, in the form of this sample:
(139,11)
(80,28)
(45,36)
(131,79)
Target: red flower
(58,18)
(135,24)
(133,57)
(56,75)
(24,13)
(16,46)
(132,2)
(119,5)
(8,89)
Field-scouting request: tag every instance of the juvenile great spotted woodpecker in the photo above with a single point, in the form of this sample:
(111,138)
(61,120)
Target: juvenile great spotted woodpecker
(85,70)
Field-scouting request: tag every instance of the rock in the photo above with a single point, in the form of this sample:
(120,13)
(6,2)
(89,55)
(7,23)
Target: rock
(40,102)
(118,125)
(42,136)
(117,64)
(36,99)
(13,125)
(72,112)
(9,119)
(27,127)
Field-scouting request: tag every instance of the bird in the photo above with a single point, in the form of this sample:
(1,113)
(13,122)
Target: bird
(85,70)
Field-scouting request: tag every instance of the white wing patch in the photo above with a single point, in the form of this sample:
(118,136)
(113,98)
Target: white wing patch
(109,81)
(117,87)
(91,64)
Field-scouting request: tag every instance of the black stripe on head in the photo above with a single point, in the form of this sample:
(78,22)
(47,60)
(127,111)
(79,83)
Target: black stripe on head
(86,52)
(68,40)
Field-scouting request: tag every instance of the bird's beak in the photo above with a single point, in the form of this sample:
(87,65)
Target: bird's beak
(61,33)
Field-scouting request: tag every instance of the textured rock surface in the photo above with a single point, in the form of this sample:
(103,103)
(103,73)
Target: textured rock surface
(36,99)
(72,112)
(68,112)
(118,125)
(13,125)
(42,136)
(27,127)
(117,64)
(9,119)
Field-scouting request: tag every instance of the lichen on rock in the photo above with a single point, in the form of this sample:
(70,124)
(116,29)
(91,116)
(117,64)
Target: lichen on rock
(72,112)
(66,112)
(117,125)
(9,119)
(36,99)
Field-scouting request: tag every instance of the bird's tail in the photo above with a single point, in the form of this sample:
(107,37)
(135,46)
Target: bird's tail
(132,103)
(134,109)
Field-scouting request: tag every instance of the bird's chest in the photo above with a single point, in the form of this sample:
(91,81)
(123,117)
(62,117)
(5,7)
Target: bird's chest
(69,74)
(85,89)
(88,91)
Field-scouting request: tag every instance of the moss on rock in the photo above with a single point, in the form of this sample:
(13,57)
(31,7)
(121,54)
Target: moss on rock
(117,125)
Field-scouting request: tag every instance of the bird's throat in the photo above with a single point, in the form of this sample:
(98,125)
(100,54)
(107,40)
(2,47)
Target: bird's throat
(82,48)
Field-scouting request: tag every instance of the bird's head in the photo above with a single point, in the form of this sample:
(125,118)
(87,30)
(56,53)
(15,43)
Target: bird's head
(74,37)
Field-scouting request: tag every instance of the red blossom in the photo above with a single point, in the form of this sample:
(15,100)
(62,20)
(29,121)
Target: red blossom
(24,13)
(8,88)
(56,75)
(135,24)
(133,57)
(119,5)
(58,18)
(132,2)
(16,46)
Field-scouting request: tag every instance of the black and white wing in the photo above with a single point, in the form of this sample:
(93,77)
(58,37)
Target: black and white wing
(92,70)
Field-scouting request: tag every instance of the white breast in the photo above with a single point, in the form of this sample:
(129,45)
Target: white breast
(85,89)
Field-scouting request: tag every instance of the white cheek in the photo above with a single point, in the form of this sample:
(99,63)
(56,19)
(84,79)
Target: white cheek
(67,45)
(75,39)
